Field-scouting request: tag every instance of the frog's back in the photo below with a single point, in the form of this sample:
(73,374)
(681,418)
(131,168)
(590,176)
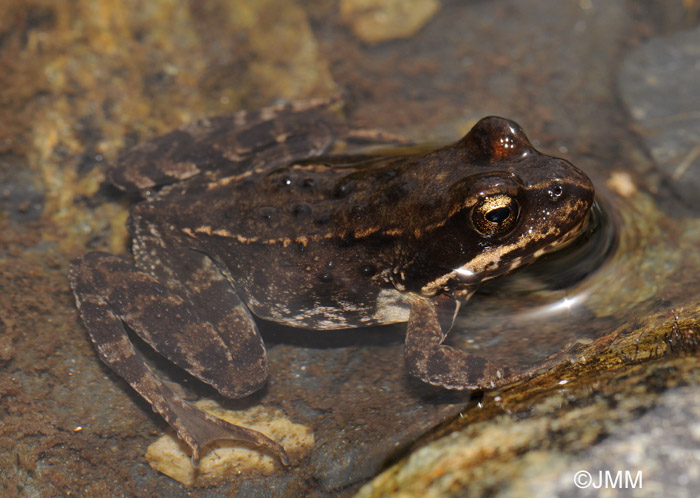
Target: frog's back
(289,202)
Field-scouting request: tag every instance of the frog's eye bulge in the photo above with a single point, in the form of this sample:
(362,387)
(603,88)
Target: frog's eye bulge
(495,215)
(497,139)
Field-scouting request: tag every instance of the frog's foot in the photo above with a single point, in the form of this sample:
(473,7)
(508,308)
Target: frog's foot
(110,292)
(441,365)
(198,428)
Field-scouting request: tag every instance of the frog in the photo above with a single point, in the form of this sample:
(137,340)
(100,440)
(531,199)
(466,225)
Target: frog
(268,215)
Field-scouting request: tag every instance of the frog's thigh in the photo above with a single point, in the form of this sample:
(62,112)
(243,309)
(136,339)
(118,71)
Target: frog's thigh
(435,363)
(109,292)
(218,343)
(230,145)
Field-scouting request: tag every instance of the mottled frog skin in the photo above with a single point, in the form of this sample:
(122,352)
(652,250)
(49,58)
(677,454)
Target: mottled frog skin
(255,216)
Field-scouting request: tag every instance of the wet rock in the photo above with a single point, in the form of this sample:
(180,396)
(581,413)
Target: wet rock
(284,56)
(632,428)
(651,453)
(659,85)
(20,200)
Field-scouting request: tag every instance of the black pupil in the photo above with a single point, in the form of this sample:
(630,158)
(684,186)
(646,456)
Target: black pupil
(498,215)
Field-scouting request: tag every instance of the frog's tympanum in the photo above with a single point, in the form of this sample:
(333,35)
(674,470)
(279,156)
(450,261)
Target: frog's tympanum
(255,217)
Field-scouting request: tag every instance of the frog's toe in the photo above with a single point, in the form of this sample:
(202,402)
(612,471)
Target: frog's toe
(198,428)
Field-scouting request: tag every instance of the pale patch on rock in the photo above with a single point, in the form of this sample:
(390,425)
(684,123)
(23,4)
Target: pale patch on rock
(225,459)
(622,183)
(376,21)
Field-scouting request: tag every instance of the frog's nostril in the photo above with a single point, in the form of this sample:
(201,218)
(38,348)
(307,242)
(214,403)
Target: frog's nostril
(555,191)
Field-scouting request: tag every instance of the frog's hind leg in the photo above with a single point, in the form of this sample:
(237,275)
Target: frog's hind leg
(259,140)
(110,292)
(231,145)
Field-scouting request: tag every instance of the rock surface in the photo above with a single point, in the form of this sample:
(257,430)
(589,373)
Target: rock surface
(659,85)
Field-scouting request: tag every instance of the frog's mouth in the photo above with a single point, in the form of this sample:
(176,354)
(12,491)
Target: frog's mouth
(572,235)
(589,223)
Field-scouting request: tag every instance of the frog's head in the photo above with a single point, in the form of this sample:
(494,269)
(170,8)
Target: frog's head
(510,206)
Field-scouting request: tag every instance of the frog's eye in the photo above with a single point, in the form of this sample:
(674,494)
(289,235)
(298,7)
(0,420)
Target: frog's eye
(495,215)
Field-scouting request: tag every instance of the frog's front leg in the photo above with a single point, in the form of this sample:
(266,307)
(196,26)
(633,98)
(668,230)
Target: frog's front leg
(435,363)
(111,292)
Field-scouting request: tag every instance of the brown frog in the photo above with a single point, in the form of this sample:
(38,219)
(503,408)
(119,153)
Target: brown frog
(255,216)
